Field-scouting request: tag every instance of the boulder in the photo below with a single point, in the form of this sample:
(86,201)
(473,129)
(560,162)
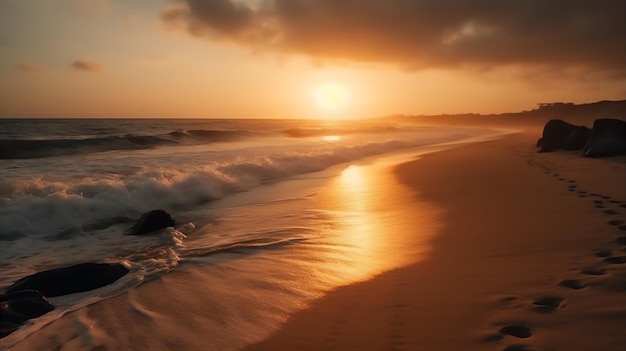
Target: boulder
(70,280)
(18,307)
(608,138)
(151,221)
(558,134)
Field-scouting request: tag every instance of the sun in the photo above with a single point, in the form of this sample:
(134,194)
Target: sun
(331,96)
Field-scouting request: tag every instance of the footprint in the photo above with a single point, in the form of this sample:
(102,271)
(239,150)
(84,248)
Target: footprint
(615,259)
(547,304)
(516,330)
(593,271)
(603,253)
(615,222)
(610,212)
(599,202)
(621,240)
(572,284)
(622,227)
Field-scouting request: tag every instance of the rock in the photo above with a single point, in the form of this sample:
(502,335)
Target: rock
(608,138)
(577,139)
(558,134)
(18,307)
(151,221)
(70,280)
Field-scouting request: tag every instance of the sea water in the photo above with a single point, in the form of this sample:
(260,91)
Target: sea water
(71,189)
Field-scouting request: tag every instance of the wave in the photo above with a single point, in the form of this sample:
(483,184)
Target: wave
(41,148)
(39,206)
(56,208)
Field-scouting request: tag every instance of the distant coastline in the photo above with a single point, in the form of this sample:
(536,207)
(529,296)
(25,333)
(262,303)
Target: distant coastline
(575,113)
(599,109)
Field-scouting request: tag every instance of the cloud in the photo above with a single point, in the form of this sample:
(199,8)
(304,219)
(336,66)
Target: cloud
(26,67)
(89,66)
(571,34)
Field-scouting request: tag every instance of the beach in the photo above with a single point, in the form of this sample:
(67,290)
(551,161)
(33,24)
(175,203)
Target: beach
(467,245)
(262,175)
(518,228)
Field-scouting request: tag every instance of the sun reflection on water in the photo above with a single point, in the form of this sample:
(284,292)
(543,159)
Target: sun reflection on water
(379,223)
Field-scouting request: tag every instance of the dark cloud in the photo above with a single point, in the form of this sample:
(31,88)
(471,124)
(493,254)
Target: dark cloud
(89,66)
(420,33)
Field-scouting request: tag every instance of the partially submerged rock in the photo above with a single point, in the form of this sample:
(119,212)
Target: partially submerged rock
(70,280)
(18,307)
(26,298)
(152,221)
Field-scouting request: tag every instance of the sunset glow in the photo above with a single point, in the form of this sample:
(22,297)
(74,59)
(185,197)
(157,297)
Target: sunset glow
(263,59)
(331,137)
(312,174)
(331,96)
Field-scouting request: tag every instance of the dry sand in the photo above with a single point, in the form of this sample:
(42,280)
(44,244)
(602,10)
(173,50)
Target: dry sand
(531,257)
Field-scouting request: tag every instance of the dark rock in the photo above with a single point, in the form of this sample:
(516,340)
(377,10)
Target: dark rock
(18,307)
(558,134)
(608,138)
(151,221)
(539,142)
(70,280)
(577,139)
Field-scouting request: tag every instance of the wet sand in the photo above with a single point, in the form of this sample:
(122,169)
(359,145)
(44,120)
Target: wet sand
(530,257)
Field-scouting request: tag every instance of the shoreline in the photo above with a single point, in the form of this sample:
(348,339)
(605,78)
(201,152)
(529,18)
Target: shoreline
(527,259)
(509,227)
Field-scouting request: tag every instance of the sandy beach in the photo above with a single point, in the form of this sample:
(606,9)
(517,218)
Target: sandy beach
(530,257)
(292,175)
(482,246)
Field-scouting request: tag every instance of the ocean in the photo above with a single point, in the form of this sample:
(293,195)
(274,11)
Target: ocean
(273,212)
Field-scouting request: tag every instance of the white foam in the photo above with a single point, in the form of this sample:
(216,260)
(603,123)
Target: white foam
(171,180)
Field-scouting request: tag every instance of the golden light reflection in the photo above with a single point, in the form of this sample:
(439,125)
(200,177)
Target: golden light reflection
(353,179)
(379,224)
(359,224)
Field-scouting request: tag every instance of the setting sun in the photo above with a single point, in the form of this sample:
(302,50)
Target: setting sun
(331,96)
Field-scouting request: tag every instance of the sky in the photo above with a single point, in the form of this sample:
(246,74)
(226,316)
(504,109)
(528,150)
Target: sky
(332,59)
